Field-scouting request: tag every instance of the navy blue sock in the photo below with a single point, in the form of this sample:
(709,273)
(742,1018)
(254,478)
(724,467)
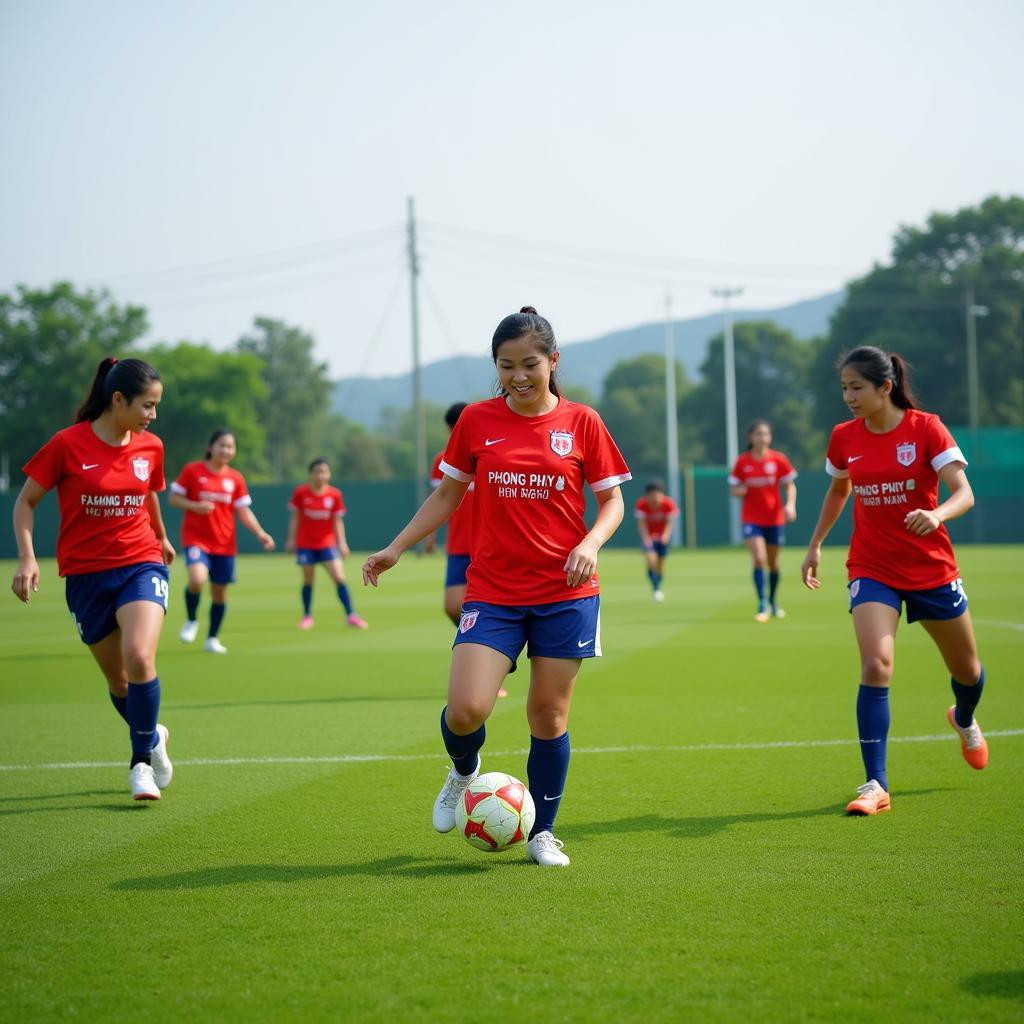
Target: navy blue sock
(307,599)
(653,577)
(759,584)
(967,698)
(191,604)
(142,706)
(773,585)
(657,581)
(546,768)
(120,705)
(344,598)
(873,728)
(217,611)
(463,750)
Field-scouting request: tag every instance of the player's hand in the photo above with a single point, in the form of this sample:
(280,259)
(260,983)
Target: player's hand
(289,545)
(581,564)
(809,569)
(167,549)
(378,563)
(344,550)
(922,522)
(26,579)
(429,545)
(267,542)
(790,513)
(203,508)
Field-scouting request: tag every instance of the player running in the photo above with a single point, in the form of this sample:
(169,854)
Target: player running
(655,513)
(112,548)
(210,493)
(316,533)
(755,478)
(892,456)
(533,579)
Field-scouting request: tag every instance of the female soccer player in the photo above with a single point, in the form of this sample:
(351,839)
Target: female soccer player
(892,456)
(755,478)
(316,533)
(210,492)
(112,548)
(655,512)
(532,582)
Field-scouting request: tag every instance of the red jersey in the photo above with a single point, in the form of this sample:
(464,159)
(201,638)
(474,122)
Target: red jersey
(459,539)
(762,505)
(529,473)
(893,474)
(657,517)
(101,491)
(214,532)
(317,514)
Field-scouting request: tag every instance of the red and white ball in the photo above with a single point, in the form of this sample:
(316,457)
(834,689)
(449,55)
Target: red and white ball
(495,813)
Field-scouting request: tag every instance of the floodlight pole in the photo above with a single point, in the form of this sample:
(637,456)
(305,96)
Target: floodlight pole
(731,439)
(419,421)
(672,420)
(971,311)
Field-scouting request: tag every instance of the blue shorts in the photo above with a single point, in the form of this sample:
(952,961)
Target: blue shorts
(94,597)
(455,574)
(310,556)
(220,567)
(564,629)
(773,535)
(945,602)
(659,547)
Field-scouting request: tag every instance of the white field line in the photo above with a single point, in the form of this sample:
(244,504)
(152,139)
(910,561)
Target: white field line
(378,758)
(999,624)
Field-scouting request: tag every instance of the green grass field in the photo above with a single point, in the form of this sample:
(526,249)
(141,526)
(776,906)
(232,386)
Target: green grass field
(291,871)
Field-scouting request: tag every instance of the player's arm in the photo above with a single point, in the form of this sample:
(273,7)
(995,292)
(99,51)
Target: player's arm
(437,509)
(831,509)
(293,529)
(186,504)
(582,561)
(156,519)
(339,533)
(961,499)
(250,522)
(645,534)
(26,577)
(790,500)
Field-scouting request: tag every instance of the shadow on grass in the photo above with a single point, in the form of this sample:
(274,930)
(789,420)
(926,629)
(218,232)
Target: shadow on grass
(1002,984)
(375,698)
(709,825)
(131,806)
(278,874)
(59,796)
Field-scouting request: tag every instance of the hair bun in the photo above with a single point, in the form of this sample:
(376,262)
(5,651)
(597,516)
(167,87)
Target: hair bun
(529,309)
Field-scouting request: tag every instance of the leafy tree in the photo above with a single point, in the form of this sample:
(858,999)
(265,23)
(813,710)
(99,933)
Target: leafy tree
(51,341)
(296,397)
(353,452)
(398,434)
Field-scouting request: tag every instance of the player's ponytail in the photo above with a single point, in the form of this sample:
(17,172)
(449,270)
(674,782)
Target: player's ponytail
(518,325)
(877,366)
(132,377)
(216,436)
(902,393)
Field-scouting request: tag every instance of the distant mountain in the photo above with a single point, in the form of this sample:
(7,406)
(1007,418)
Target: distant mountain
(585,363)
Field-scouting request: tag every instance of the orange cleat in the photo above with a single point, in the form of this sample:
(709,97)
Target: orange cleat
(972,743)
(871,799)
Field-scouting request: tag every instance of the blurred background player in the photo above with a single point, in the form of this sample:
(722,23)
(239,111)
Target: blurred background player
(891,455)
(210,493)
(112,548)
(532,582)
(755,478)
(316,533)
(655,513)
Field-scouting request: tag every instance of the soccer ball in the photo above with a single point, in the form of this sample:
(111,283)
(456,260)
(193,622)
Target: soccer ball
(495,813)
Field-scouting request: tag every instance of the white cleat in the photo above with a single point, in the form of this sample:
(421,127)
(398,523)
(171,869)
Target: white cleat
(214,646)
(659,596)
(189,632)
(544,849)
(448,799)
(778,613)
(144,786)
(163,770)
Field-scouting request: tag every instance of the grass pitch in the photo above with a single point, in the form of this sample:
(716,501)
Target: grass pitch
(291,872)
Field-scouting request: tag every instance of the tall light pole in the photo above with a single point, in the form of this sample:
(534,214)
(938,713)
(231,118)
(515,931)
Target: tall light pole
(731,438)
(671,419)
(973,403)
(419,422)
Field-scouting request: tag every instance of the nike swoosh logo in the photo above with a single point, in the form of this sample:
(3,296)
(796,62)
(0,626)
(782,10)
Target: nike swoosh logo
(854,458)
(93,466)
(497,440)
(559,797)
(583,643)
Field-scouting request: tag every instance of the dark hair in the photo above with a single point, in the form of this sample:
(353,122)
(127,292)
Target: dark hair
(451,417)
(318,462)
(132,377)
(517,325)
(753,426)
(655,485)
(215,437)
(877,366)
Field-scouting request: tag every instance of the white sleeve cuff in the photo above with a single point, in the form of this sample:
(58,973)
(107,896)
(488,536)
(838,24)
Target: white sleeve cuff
(455,474)
(610,481)
(243,502)
(945,458)
(177,488)
(839,474)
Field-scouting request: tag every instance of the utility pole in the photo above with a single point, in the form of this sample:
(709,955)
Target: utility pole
(672,420)
(971,311)
(731,438)
(419,423)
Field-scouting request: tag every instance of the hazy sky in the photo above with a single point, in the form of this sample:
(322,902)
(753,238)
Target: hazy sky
(218,160)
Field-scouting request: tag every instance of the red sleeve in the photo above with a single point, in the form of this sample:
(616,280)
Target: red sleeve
(673,508)
(835,457)
(241,491)
(435,472)
(786,469)
(158,482)
(46,467)
(341,503)
(941,447)
(184,480)
(293,501)
(734,474)
(458,455)
(603,464)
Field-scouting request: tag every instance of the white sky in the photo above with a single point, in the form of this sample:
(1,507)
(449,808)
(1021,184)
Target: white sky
(223,159)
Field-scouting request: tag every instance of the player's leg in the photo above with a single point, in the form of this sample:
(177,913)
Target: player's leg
(759,556)
(336,570)
(107,653)
(308,570)
(651,559)
(222,572)
(198,574)
(772,558)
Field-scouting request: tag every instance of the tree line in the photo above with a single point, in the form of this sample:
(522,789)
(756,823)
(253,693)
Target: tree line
(272,392)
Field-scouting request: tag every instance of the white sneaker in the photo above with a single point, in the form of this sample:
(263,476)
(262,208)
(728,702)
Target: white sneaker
(189,632)
(659,595)
(544,849)
(163,770)
(449,797)
(144,786)
(214,646)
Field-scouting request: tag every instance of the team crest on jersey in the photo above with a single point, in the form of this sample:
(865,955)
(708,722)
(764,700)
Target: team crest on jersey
(906,453)
(328,503)
(468,620)
(140,467)
(854,588)
(561,442)
(229,485)
(769,467)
